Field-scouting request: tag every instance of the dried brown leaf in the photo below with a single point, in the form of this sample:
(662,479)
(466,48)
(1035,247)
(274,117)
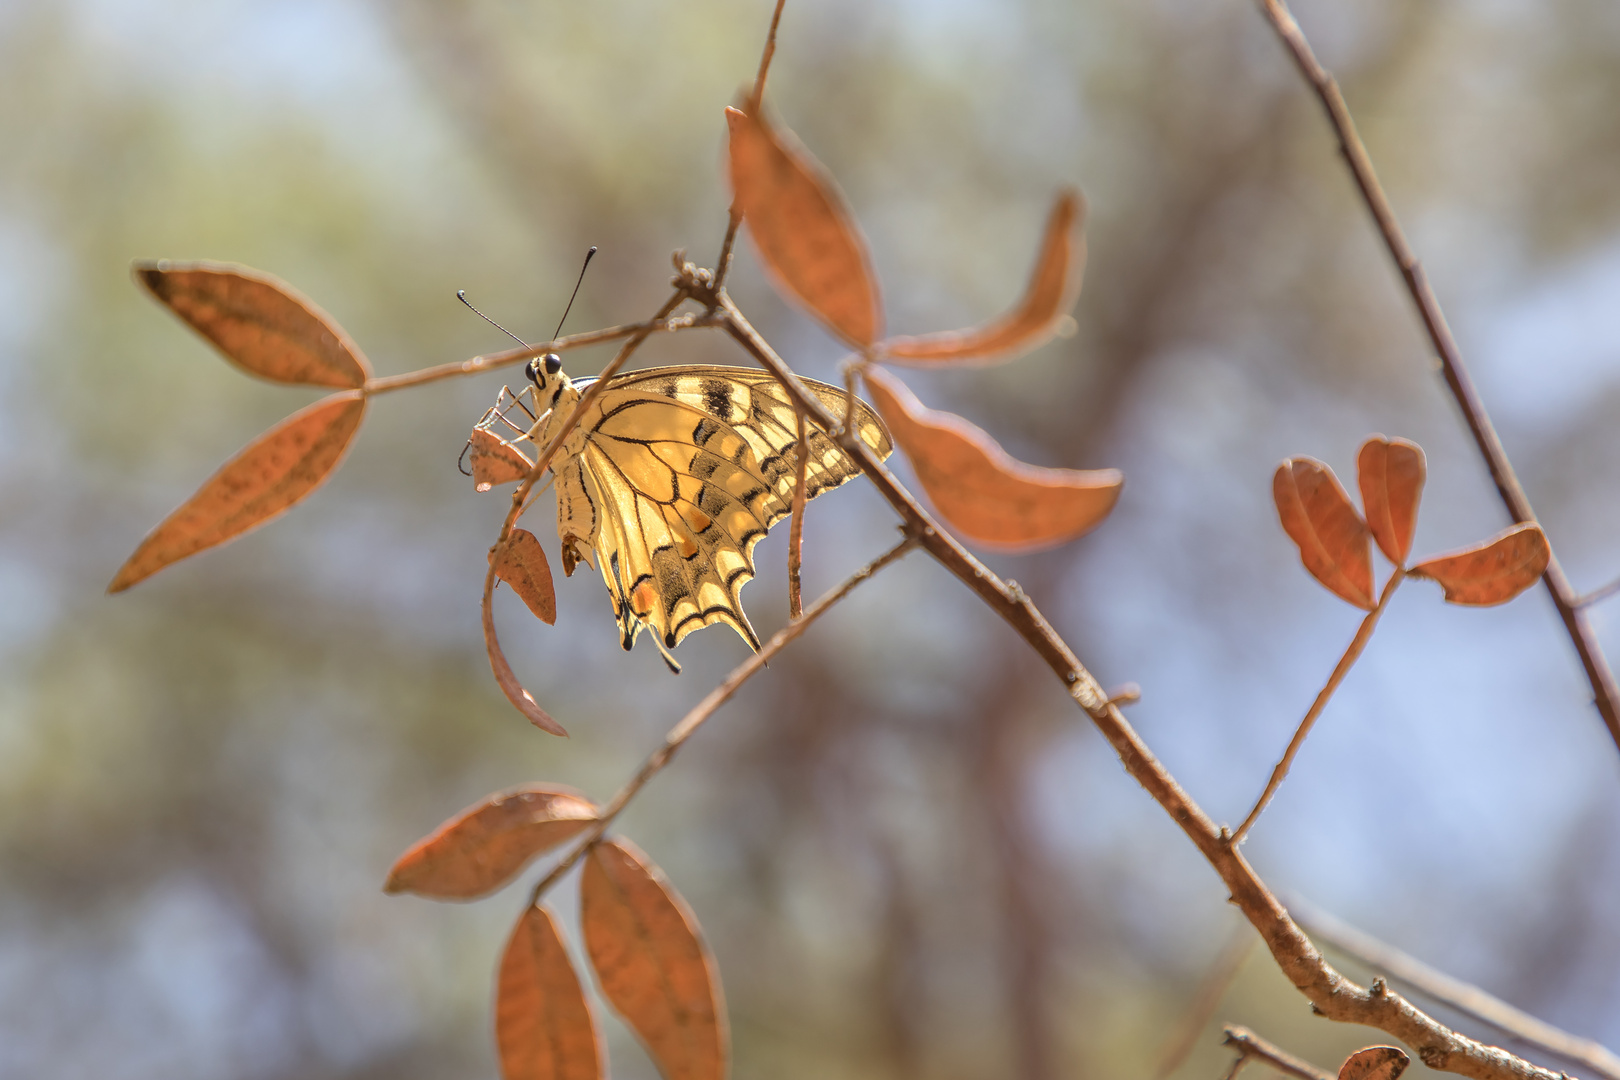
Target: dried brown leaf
(1391,473)
(523,566)
(506,678)
(543,1025)
(261,324)
(1319,517)
(272,473)
(1493,571)
(1053,288)
(486,845)
(651,962)
(495,461)
(985,494)
(806,236)
(1375,1063)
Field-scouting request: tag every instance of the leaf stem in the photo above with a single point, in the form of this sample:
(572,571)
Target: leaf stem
(1605,692)
(480,364)
(706,708)
(1340,670)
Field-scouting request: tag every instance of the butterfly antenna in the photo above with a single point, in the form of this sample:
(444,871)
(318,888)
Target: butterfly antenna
(588,256)
(461,294)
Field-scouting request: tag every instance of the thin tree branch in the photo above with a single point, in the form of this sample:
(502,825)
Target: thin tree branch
(1452,992)
(722,265)
(1599,594)
(1351,654)
(1250,1045)
(513,356)
(1204,1003)
(706,708)
(1605,692)
(1333,995)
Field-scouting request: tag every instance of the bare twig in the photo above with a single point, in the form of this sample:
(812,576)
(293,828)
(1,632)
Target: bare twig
(1351,654)
(514,356)
(1601,593)
(1249,1045)
(1204,1003)
(706,708)
(722,265)
(1334,996)
(1605,692)
(796,527)
(1452,992)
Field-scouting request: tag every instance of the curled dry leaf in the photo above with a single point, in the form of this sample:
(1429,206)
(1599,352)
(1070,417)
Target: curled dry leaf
(1332,539)
(272,473)
(483,847)
(505,677)
(985,494)
(1391,473)
(1375,1063)
(1053,288)
(543,1025)
(1493,571)
(495,461)
(261,324)
(522,565)
(651,962)
(807,238)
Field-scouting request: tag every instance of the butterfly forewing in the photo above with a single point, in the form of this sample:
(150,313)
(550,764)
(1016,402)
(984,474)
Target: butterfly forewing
(682,472)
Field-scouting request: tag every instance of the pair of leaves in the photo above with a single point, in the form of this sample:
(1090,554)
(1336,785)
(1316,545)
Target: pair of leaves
(814,253)
(642,941)
(1332,536)
(266,328)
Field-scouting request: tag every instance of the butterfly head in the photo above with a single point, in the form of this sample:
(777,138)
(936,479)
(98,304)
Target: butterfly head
(546,374)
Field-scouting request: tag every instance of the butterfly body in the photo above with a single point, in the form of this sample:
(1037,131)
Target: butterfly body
(672,477)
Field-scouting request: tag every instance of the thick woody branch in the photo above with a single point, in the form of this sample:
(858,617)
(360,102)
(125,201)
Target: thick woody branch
(1331,993)
(1605,692)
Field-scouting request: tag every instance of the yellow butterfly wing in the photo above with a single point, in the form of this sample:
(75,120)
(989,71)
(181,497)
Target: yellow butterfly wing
(681,473)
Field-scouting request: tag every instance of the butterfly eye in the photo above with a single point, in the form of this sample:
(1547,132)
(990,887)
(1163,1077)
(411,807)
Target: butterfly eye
(532,370)
(553,363)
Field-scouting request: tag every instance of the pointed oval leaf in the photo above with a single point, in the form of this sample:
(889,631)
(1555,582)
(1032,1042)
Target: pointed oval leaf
(1493,571)
(651,962)
(543,1024)
(1375,1063)
(486,845)
(272,473)
(261,324)
(806,236)
(495,461)
(1319,517)
(981,491)
(505,677)
(1053,288)
(1391,473)
(523,566)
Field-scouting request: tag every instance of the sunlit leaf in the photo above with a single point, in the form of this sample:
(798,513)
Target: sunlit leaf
(807,238)
(494,460)
(507,679)
(275,471)
(1391,473)
(261,324)
(1493,571)
(543,1025)
(651,962)
(981,491)
(1053,288)
(523,566)
(483,847)
(1375,1063)
(1319,517)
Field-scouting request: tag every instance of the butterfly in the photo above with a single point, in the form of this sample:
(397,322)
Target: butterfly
(674,475)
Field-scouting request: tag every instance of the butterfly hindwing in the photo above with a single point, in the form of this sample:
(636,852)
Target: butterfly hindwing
(681,473)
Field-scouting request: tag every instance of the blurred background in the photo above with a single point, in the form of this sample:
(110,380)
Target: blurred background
(911,856)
